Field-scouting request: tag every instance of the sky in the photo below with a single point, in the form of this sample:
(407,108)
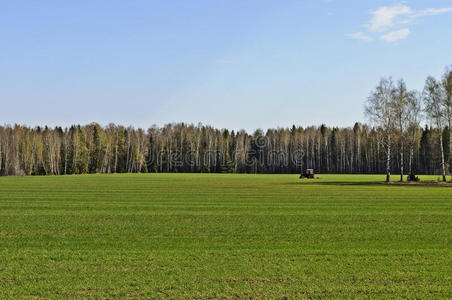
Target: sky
(237,64)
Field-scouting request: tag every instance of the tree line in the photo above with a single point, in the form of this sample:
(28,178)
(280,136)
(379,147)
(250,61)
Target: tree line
(394,141)
(397,112)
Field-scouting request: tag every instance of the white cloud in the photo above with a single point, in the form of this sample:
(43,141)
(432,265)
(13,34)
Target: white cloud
(360,36)
(388,20)
(383,18)
(396,35)
(431,12)
(424,13)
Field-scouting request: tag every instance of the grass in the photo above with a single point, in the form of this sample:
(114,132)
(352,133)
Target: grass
(184,236)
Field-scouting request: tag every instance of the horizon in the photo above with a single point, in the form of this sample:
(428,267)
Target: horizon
(421,125)
(230,64)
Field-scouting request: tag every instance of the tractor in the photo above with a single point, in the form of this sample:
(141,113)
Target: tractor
(309,173)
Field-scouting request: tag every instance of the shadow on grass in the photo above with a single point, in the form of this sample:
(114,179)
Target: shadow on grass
(343,183)
(373,183)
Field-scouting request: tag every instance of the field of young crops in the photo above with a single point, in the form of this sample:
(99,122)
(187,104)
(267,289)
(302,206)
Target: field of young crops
(223,236)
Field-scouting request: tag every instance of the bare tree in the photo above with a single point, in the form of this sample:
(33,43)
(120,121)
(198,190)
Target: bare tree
(400,107)
(433,98)
(447,102)
(414,118)
(380,110)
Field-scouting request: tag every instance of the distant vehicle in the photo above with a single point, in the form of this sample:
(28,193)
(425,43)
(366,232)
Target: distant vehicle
(309,173)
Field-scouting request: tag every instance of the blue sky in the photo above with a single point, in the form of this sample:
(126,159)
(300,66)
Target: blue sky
(236,64)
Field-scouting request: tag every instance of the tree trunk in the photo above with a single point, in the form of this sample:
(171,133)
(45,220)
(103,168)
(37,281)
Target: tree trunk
(410,162)
(388,160)
(450,137)
(116,151)
(442,155)
(401,161)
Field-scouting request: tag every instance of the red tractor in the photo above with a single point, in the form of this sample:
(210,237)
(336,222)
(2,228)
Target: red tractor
(309,173)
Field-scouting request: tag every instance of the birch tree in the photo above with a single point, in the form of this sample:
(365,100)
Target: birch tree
(400,108)
(380,111)
(414,118)
(447,102)
(435,112)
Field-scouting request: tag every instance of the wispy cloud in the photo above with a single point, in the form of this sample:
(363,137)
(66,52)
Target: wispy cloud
(360,36)
(383,18)
(386,21)
(431,12)
(395,35)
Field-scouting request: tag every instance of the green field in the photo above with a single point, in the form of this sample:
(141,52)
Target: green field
(223,236)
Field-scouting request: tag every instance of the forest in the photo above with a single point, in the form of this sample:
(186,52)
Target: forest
(408,132)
